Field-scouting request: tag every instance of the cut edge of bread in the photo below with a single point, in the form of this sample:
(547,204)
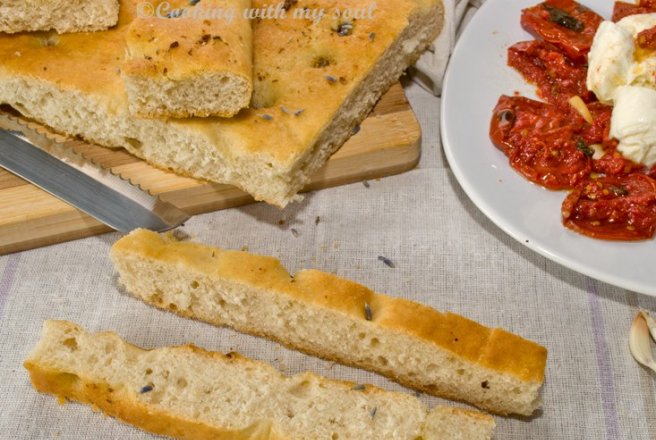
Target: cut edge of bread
(405,51)
(439,353)
(190,393)
(62,16)
(221,94)
(169,140)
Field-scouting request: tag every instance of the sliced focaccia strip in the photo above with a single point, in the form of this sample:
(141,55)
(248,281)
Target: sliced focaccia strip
(59,15)
(318,313)
(187,65)
(189,393)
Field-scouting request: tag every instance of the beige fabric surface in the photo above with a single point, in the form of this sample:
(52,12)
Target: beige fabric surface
(447,255)
(430,68)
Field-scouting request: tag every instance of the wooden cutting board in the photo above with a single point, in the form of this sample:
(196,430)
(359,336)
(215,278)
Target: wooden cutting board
(388,143)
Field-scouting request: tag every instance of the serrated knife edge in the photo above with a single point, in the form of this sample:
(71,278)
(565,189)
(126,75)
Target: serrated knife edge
(110,188)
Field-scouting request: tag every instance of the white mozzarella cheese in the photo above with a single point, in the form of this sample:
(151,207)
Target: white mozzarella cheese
(641,71)
(609,61)
(635,24)
(634,123)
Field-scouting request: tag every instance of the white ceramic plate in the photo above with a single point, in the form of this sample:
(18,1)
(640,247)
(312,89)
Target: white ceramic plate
(476,77)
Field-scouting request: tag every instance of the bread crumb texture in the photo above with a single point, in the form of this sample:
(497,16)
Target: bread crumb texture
(58,15)
(190,393)
(439,353)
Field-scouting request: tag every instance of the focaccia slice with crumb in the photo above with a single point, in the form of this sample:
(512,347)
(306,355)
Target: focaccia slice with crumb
(439,353)
(314,82)
(189,65)
(189,393)
(59,15)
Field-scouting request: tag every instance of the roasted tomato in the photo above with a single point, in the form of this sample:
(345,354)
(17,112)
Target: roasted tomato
(541,140)
(599,131)
(623,9)
(613,208)
(557,77)
(647,39)
(597,135)
(613,163)
(564,23)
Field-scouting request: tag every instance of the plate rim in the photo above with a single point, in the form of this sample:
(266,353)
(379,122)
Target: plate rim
(490,211)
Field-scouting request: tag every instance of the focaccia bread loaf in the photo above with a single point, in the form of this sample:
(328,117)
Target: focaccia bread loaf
(189,393)
(313,84)
(59,15)
(439,353)
(197,63)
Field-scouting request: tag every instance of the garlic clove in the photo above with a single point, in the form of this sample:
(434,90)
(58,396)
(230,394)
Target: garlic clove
(582,109)
(651,323)
(640,344)
(599,151)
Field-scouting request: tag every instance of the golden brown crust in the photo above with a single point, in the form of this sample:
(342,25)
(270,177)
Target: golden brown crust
(119,402)
(186,46)
(495,349)
(190,48)
(304,75)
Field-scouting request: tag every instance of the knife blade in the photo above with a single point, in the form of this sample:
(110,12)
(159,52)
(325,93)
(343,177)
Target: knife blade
(92,189)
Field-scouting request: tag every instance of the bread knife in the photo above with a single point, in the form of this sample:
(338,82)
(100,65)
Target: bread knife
(71,177)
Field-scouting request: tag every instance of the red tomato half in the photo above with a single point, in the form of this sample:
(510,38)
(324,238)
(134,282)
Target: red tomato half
(647,39)
(557,77)
(599,131)
(613,163)
(541,141)
(623,9)
(564,23)
(613,208)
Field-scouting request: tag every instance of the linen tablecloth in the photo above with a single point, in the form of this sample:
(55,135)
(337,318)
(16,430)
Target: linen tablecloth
(447,255)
